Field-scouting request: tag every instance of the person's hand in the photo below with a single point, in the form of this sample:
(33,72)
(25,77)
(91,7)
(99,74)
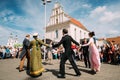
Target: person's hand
(104,38)
(80,45)
(50,46)
(78,48)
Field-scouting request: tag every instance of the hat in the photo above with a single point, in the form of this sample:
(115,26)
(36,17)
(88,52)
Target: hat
(35,34)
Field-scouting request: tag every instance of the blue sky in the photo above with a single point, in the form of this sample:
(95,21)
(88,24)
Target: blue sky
(20,17)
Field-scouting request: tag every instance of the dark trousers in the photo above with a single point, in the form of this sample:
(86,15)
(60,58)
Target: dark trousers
(71,60)
(86,59)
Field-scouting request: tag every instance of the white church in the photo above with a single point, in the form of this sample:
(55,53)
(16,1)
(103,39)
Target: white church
(60,20)
(12,40)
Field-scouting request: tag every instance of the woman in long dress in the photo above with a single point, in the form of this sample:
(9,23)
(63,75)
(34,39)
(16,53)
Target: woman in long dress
(36,67)
(94,54)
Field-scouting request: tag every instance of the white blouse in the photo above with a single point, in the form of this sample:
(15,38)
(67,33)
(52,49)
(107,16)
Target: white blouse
(90,43)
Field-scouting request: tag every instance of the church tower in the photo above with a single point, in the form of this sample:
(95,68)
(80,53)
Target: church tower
(57,15)
(60,20)
(12,40)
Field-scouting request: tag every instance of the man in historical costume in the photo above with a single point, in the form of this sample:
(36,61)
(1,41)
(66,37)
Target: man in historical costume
(25,53)
(36,67)
(68,54)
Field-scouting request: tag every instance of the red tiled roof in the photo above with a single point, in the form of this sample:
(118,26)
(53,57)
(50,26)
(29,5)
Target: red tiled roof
(74,21)
(116,40)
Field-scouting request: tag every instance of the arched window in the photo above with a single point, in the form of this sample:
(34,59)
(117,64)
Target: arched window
(56,12)
(84,34)
(80,34)
(56,21)
(56,34)
(75,33)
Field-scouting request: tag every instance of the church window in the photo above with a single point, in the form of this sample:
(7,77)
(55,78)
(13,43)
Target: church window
(56,34)
(75,32)
(56,21)
(56,12)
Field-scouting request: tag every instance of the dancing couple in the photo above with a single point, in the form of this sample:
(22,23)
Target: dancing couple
(34,59)
(94,56)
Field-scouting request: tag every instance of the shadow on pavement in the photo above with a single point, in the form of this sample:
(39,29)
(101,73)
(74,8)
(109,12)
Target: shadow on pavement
(45,63)
(83,70)
(54,72)
(87,71)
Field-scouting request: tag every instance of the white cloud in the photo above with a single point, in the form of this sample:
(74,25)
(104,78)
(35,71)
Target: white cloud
(86,6)
(72,6)
(113,31)
(6,12)
(33,18)
(5,19)
(35,15)
(104,21)
(5,33)
(104,14)
(98,11)
(110,16)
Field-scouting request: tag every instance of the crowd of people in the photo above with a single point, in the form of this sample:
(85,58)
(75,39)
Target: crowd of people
(110,53)
(87,51)
(9,52)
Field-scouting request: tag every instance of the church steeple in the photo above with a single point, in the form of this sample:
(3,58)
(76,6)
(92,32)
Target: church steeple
(57,16)
(59,20)
(57,4)
(12,40)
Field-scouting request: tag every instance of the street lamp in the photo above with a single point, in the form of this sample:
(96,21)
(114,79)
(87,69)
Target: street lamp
(44,3)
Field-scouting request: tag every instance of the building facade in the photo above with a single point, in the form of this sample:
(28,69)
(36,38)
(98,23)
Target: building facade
(12,40)
(60,20)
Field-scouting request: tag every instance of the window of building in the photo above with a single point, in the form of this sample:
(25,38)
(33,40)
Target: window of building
(80,34)
(75,32)
(56,12)
(56,21)
(56,34)
(84,34)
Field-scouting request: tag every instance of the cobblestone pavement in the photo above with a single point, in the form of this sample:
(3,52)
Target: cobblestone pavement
(9,71)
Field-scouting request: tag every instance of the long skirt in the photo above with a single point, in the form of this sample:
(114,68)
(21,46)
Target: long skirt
(36,67)
(94,57)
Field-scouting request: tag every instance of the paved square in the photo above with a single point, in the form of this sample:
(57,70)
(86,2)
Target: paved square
(8,71)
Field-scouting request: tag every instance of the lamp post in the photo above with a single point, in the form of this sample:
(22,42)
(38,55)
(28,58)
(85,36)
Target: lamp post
(44,3)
